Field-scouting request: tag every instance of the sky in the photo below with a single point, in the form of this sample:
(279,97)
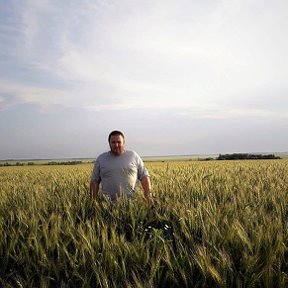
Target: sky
(177,77)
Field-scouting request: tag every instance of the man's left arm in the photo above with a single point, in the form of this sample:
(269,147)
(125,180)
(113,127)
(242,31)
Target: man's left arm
(146,185)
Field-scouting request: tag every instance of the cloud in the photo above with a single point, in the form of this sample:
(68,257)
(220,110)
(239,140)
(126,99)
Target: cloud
(21,93)
(45,98)
(165,54)
(2,103)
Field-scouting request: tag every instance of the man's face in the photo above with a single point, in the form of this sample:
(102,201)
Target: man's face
(116,144)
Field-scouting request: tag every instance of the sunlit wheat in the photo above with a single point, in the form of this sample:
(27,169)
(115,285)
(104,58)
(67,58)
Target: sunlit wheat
(214,224)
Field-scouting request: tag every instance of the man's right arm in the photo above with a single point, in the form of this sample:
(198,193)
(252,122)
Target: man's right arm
(94,189)
(95,180)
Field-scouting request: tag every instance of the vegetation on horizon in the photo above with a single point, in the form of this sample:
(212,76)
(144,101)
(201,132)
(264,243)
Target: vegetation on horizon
(77,161)
(246,156)
(215,224)
(30,163)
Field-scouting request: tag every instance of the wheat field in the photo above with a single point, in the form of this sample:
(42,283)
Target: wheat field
(214,224)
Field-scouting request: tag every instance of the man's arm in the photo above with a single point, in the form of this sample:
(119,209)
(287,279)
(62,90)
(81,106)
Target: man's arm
(94,189)
(146,185)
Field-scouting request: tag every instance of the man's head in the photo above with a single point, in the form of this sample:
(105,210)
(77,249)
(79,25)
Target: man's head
(116,142)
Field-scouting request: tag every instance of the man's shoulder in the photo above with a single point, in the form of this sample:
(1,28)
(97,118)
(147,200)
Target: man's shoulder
(132,153)
(133,156)
(103,156)
(107,155)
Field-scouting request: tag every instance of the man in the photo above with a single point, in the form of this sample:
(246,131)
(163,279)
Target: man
(118,171)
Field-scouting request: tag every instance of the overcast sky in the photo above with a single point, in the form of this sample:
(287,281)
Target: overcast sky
(177,77)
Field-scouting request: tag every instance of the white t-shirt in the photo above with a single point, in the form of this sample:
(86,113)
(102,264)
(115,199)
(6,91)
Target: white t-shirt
(118,174)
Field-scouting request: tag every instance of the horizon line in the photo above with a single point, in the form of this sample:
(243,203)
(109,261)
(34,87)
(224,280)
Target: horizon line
(146,156)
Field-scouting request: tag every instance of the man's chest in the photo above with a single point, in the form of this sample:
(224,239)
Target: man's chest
(118,168)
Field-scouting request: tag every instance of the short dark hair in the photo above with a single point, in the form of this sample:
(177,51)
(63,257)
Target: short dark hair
(115,133)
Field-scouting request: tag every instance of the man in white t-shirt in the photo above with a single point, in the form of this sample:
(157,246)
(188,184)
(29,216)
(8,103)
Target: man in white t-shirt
(118,171)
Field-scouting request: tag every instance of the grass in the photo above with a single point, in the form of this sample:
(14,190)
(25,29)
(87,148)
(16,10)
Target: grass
(215,224)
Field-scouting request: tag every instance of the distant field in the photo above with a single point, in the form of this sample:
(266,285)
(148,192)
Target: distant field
(193,157)
(45,161)
(215,224)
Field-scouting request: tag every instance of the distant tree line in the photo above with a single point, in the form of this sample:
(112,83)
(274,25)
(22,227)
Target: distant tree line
(74,162)
(205,159)
(6,164)
(244,156)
